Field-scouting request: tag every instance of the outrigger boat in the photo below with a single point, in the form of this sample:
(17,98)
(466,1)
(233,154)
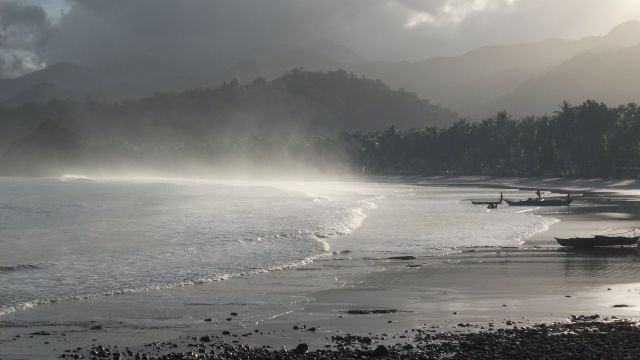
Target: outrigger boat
(474,202)
(598,241)
(541,202)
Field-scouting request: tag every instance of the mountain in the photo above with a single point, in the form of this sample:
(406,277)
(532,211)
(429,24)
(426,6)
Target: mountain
(134,78)
(472,97)
(337,53)
(264,121)
(472,83)
(299,103)
(42,92)
(622,36)
(278,65)
(63,75)
(610,76)
(322,56)
(479,83)
(144,76)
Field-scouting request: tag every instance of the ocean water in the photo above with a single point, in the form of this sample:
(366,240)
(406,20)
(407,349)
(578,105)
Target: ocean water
(77,237)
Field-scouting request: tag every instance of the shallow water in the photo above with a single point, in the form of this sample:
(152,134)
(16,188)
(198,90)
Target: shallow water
(75,237)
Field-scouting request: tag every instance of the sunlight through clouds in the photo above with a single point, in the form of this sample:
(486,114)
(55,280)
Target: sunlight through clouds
(214,33)
(447,12)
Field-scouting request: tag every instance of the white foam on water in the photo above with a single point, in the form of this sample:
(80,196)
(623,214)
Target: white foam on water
(19,267)
(73,177)
(347,220)
(186,225)
(535,228)
(5,310)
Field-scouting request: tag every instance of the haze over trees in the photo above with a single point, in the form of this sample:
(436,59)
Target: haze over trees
(523,79)
(206,125)
(324,121)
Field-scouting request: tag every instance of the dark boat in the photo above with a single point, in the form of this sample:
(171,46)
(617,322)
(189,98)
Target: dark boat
(598,241)
(474,202)
(541,202)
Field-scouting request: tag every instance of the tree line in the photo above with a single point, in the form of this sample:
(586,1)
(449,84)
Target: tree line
(296,120)
(586,140)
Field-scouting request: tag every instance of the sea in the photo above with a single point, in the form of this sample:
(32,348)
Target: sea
(76,237)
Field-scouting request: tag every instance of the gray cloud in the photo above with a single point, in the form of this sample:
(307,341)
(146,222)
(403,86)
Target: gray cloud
(206,29)
(24,30)
(202,33)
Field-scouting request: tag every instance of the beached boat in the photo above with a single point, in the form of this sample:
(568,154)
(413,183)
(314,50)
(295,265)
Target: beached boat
(598,241)
(476,202)
(541,202)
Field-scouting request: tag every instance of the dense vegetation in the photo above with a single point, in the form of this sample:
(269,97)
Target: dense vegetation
(255,123)
(587,140)
(324,121)
(262,120)
(298,103)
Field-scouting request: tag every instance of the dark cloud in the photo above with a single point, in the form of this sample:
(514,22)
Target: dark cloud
(24,30)
(194,34)
(201,31)
(197,31)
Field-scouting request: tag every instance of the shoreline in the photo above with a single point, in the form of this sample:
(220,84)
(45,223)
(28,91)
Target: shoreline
(585,337)
(478,286)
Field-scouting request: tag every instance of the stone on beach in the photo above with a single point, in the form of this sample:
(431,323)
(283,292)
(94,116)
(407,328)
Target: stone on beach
(380,351)
(301,348)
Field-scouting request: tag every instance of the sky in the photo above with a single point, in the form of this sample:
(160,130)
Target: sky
(193,33)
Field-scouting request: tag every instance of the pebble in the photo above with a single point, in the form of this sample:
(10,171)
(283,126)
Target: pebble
(380,351)
(584,337)
(301,348)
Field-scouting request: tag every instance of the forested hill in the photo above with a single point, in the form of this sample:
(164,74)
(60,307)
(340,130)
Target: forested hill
(194,123)
(301,102)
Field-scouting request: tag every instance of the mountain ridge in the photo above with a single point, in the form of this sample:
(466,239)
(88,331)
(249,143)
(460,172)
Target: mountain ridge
(477,83)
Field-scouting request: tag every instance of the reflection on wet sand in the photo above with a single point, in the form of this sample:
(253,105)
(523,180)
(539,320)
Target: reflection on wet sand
(602,262)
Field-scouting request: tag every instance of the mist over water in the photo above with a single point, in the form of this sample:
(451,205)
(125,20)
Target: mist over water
(77,237)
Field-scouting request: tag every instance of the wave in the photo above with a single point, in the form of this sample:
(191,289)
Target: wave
(346,225)
(73,177)
(214,277)
(535,228)
(19,267)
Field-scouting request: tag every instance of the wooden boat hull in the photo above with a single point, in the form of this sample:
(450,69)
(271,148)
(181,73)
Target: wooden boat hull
(499,202)
(484,202)
(598,241)
(543,202)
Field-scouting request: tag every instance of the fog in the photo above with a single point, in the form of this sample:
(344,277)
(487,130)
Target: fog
(206,85)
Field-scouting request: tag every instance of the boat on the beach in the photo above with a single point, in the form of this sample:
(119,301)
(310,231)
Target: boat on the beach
(541,202)
(598,241)
(477,202)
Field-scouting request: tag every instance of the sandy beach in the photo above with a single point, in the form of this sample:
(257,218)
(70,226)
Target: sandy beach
(386,299)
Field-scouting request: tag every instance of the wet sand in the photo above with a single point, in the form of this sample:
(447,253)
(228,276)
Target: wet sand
(485,288)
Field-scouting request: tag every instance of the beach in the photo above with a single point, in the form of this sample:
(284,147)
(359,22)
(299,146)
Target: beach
(387,294)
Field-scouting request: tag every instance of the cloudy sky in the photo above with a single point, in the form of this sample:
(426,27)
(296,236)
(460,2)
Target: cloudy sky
(34,33)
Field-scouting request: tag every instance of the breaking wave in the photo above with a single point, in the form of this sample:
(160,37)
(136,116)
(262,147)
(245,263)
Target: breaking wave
(348,219)
(19,267)
(73,177)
